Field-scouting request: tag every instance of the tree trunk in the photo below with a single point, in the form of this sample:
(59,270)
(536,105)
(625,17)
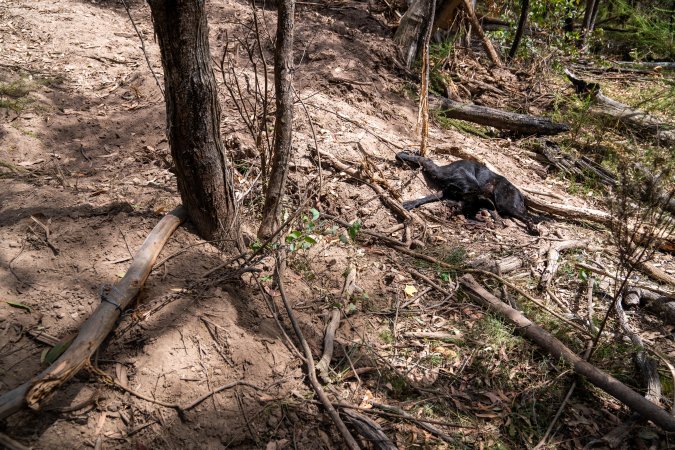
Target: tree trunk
(283,125)
(524,10)
(487,44)
(410,32)
(193,118)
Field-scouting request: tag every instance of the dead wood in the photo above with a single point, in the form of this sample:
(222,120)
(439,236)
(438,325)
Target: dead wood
(311,370)
(600,271)
(633,119)
(395,206)
(502,266)
(656,273)
(662,307)
(503,120)
(559,351)
(98,326)
(431,283)
(10,444)
(369,429)
(487,44)
(553,257)
(329,343)
(646,365)
(396,245)
(424,425)
(568,164)
(568,211)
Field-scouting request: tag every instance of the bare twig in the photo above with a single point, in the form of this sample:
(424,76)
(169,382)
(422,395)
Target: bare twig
(311,370)
(145,53)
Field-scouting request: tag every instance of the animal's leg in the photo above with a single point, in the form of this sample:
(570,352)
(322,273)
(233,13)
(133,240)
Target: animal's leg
(412,204)
(496,217)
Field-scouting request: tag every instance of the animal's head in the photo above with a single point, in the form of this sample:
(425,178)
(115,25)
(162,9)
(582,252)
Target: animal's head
(408,157)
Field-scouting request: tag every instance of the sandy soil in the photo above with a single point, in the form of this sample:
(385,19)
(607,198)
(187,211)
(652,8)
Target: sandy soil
(84,155)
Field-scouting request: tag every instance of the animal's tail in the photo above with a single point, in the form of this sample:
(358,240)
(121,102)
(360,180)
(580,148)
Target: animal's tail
(410,158)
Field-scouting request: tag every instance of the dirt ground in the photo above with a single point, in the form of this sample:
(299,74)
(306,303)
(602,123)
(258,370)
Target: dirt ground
(85,175)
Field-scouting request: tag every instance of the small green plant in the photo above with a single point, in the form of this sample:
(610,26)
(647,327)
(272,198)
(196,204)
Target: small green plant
(387,336)
(302,239)
(352,231)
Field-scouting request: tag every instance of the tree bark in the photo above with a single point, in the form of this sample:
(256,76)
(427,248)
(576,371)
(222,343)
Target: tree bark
(524,10)
(410,32)
(487,44)
(520,123)
(283,125)
(193,118)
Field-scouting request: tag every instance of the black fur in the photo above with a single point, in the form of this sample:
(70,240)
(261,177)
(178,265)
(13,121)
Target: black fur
(471,186)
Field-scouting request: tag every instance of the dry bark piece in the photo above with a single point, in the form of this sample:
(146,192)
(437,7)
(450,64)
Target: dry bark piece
(558,350)
(553,258)
(100,323)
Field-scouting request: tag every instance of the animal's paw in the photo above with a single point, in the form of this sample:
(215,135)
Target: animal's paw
(409,205)
(408,156)
(533,229)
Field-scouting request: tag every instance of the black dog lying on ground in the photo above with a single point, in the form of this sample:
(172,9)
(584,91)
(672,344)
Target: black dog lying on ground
(471,186)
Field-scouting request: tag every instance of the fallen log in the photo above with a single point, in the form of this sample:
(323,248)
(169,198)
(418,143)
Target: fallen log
(503,120)
(98,326)
(633,119)
(558,350)
(662,307)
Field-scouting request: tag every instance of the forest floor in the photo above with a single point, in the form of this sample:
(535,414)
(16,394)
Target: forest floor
(85,175)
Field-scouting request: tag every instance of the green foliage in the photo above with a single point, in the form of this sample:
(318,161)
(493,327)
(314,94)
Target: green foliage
(302,238)
(648,24)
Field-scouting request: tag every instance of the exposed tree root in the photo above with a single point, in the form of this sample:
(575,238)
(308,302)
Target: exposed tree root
(92,333)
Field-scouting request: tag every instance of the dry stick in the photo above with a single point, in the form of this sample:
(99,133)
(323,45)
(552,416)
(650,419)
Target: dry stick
(10,444)
(393,414)
(423,113)
(395,206)
(549,429)
(397,246)
(558,350)
(328,344)
(100,323)
(424,425)
(647,366)
(431,283)
(181,410)
(225,264)
(489,48)
(311,370)
(185,249)
(554,250)
(615,277)
(656,273)
(333,324)
(145,53)
(370,430)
